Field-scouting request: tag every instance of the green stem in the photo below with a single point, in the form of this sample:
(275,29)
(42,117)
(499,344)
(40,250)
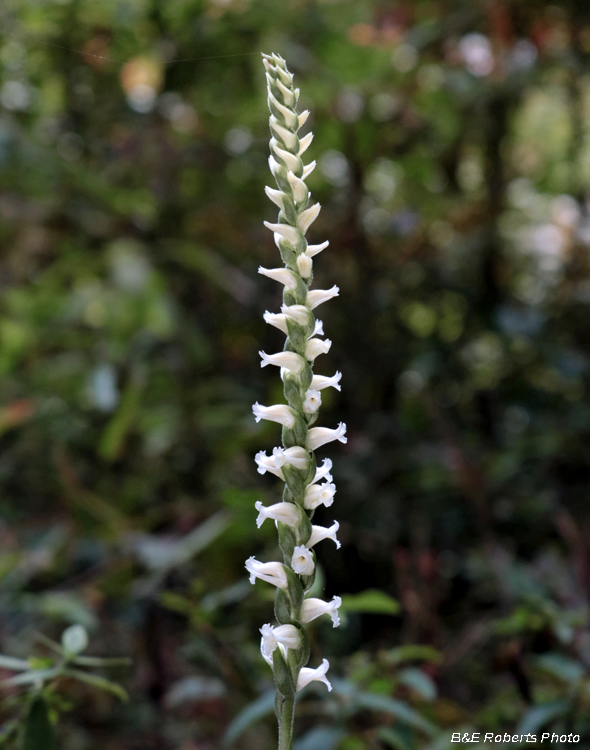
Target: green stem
(286,717)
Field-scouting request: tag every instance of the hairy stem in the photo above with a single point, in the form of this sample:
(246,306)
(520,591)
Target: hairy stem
(286,717)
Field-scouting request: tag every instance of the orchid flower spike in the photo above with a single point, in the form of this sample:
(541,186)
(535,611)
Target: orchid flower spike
(285,646)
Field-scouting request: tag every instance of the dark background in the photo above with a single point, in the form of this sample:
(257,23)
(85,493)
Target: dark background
(453,149)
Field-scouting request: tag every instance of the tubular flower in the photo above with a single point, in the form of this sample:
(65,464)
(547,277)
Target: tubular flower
(285,646)
(318,533)
(315,347)
(302,561)
(318,436)
(272,572)
(313,608)
(319,494)
(288,513)
(314,675)
(277,413)
(288,360)
(319,382)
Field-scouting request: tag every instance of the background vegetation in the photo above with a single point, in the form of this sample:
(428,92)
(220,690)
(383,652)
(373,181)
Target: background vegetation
(453,147)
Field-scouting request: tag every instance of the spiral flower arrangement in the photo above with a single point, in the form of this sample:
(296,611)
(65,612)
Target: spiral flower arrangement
(285,646)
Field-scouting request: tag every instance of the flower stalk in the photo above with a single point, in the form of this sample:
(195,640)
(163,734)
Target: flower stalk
(285,647)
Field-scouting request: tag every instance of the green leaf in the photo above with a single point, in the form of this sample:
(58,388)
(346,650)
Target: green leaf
(7,662)
(38,732)
(29,678)
(393,739)
(413,652)
(371,601)
(565,669)
(98,682)
(539,716)
(248,716)
(320,738)
(399,710)
(418,681)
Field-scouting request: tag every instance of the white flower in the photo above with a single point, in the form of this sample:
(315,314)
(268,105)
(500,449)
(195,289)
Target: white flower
(321,435)
(315,347)
(267,463)
(289,139)
(302,119)
(318,533)
(313,401)
(299,313)
(289,233)
(306,218)
(287,513)
(278,320)
(315,249)
(304,143)
(304,265)
(302,561)
(287,636)
(299,188)
(292,162)
(313,608)
(296,456)
(289,360)
(280,413)
(317,296)
(323,381)
(282,275)
(318,329)
(307,675)
(319,494)
(271,572)
(276,196)
(308,170)
(322,472)
(267,644)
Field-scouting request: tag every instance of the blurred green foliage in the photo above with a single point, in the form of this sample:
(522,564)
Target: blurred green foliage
(453,148)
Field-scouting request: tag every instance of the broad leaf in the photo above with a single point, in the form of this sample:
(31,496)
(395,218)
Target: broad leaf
(249,715)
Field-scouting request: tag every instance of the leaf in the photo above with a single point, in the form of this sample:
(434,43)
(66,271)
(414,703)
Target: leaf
(98,682)
(413,652)
(160,554)
(7,662)
(249,715)
(396,708)
(538,716)
(38,732)
(371,601)
(29,678)
(567,670)
(418,681)
(393,739)
(320,738)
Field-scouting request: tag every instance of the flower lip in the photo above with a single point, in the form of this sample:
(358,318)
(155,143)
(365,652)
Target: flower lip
(302,561)
(319,494)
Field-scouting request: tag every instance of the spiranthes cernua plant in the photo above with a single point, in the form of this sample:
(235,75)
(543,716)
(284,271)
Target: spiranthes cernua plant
(285,646)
